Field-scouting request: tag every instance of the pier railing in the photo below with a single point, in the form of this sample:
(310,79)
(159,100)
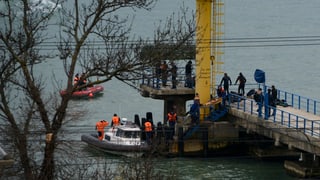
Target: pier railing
(151,79)
(295,100)
(300,102)
(285,118)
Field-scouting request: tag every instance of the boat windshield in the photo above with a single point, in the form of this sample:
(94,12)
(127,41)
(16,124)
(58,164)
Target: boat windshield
(128,134)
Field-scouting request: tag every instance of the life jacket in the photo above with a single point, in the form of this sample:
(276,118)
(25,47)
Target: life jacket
(147,126)
(115,121)
(101,125)
(172,117)
(75,80)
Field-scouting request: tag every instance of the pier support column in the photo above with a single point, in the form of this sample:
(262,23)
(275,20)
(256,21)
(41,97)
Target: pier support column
(177,103)
(180,142)
(306,167)
(205,141)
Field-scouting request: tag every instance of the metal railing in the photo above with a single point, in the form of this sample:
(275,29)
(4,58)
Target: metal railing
(285,118)
(300,102)
(150,78)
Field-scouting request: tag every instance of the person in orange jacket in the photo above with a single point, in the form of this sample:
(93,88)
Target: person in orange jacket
(100,125)
(172,118)
(76,79)
(148,131)
(115,120)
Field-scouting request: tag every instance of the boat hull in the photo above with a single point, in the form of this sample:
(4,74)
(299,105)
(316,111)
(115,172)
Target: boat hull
(116,149)
(88,92)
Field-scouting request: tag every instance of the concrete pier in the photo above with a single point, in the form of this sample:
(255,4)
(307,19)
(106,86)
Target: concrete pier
(173,98)
(306,167)
(208,138)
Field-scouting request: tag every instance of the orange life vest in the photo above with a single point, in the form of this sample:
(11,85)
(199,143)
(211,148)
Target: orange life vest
(75,80)
(172,117)
(100,125)
(115,120)
(147,126)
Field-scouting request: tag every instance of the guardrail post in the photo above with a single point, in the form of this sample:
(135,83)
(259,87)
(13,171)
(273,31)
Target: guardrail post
(289,118)
(304,125)
(244,104)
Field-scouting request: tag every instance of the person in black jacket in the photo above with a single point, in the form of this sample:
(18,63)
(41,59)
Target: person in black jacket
(225,80)
(242,81)
(188,71)
(274,94)
(258,97)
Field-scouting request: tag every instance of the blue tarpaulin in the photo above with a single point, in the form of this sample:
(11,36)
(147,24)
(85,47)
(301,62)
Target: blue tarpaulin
(259,76)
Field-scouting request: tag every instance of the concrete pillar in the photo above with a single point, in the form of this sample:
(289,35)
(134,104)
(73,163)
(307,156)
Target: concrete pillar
(180,141)
(177,103)
(316,160)
(205,142)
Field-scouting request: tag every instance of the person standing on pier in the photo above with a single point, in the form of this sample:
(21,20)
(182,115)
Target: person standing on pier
(188,71)
(242,81)
(195,112)
(274,93)
(225,80)
(164,73)
(258,97)
(172,118)
(271,103)
(174,70)
(158,74)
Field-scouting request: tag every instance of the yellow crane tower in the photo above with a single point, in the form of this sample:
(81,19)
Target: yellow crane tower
(209,34)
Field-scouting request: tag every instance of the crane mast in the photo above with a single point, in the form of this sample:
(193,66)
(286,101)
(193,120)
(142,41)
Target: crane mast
(209,34)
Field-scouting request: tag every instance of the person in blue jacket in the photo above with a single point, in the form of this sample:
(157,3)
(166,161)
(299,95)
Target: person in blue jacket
(195,112)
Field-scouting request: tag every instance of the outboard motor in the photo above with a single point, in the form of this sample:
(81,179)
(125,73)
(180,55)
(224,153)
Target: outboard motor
(124,121)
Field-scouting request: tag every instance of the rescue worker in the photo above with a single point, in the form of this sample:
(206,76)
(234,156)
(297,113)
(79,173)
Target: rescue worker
(195,112)
(172,118)
(225,81)
(148,131)
(100,125)
(164,73)
(82,79)
(258,97)
(115,120)
(174,69)
(242,80)
(76,79)
(188,72)
(197,97)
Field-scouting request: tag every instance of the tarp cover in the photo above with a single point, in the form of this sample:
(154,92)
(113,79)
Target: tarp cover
(259,76)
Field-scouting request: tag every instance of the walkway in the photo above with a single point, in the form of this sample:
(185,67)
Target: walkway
(288,117)
(292,126)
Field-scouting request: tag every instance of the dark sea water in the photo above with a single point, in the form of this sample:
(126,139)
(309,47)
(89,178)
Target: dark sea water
(289,65)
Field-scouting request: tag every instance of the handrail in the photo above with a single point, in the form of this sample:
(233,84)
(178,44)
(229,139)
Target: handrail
(290,120)
(300,102)
(150,78)
(297,101)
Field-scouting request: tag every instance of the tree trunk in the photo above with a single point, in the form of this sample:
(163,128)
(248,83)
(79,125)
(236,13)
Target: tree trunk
(47,168)
(25,161)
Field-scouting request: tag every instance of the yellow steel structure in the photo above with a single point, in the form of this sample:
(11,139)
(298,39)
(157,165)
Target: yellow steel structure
(209,33)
